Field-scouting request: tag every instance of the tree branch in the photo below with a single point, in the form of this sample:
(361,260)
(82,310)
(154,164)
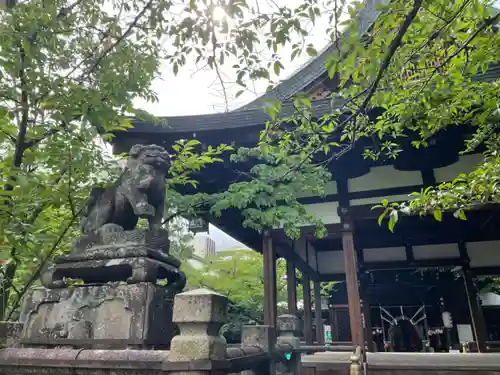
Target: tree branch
(436,33)
(486,24)
(118,40)
(54,131)
(49,133)
(393,47)
(42,265)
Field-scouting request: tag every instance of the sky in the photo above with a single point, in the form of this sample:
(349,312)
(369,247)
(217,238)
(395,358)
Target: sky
(195,90)
(198,91)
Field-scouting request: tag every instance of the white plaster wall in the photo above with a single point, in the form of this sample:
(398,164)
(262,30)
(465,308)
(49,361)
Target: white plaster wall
(442,251)
(330,188)
(378,200)
(331,262)
(465,164)
(484,254)
(326,211)
(386,254)
(384,177)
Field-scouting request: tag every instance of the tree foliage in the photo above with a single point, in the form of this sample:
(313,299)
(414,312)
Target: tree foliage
(239,275)
(70,71)
(421,63)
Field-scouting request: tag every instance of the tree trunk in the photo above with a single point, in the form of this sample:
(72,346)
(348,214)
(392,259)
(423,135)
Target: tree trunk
(7,278)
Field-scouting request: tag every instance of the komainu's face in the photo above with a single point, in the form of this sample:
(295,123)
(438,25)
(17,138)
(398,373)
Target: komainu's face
(155,156)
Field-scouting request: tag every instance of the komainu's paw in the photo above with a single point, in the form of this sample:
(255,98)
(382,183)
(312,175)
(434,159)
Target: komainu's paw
(144,210)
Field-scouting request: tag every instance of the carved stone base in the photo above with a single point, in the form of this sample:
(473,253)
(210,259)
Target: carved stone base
(112,254)
(99,271)
(111,316)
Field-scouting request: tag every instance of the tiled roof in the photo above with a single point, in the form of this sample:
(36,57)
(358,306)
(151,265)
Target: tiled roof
(493,73)
(228,120)
(252,114)
(314,68)
(252,117)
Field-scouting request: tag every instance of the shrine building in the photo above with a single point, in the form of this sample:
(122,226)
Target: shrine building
(410,290)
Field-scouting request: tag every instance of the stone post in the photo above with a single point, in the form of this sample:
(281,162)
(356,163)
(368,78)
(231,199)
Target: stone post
(264,337)
(288,330)
(199,314)
(288,335)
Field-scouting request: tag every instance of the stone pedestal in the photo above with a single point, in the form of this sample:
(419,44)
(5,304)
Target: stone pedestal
(114,290)
(101,316)
(112,254)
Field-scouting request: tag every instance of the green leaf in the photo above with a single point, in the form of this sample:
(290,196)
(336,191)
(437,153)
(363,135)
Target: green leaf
(460,214)
(277,67)
(393,219)
(382,216)
(438,215)
(311,51)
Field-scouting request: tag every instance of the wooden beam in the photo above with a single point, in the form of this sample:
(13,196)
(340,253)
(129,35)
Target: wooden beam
(366,311)
(476,311)
(464,254)
(308,231)
(320,329)
(270,289)
(291,287)
(306,288)
(351,271)
(428,177)
(410,257)
(403,264)
(332,320)
(289,253)
(332,277)
(487,271)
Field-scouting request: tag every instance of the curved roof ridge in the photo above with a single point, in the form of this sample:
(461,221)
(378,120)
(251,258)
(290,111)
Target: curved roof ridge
(311,70)
(226,120)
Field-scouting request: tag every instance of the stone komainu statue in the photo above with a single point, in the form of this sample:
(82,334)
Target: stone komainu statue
(138,193)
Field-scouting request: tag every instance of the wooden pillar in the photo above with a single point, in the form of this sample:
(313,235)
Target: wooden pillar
(367,318)
(291,287)
(333,323)
(320,329)
(270,289)
(351,276)
(308,332)
(476,311)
